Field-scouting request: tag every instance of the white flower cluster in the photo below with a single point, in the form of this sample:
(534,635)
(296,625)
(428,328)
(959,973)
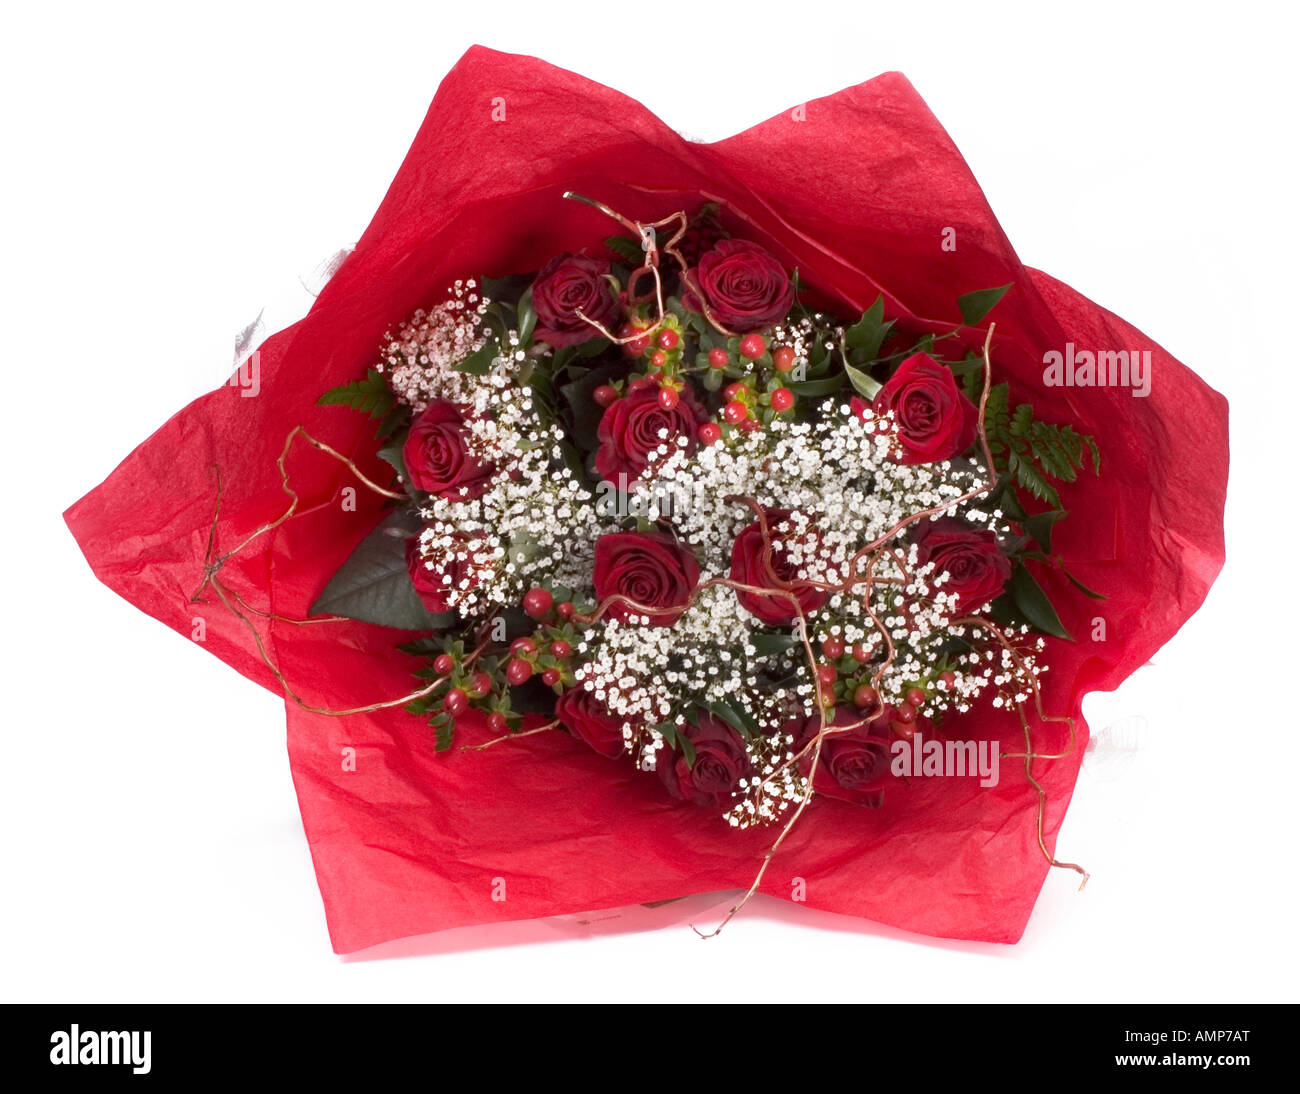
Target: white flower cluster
(535,520)
(420,357)
(845,490)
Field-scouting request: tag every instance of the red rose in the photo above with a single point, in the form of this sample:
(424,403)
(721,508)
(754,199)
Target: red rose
(569,284)
(977,570)
(720,763)
(744,287)
(432,584)
(630,428)
(853,766)
(651,568)
(748,568)
(437,456)
(587,718)
(935,420)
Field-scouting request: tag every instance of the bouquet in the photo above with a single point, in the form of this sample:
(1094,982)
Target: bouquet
(722,548)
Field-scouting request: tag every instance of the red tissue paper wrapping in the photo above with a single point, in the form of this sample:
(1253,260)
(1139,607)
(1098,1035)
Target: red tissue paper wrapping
(855,190)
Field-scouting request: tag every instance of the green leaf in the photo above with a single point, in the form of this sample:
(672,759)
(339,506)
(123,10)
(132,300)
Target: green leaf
(1033,604)
(566,355)
(505,289)
(526,317)
(369,396)
(810,388)
(863,384)
(392,455)
(688,749)
(867,334)
(976,305)
(628,249)
(766,645)
(1082,587)
(374,585)
(479,363)
(1040,526)
(746,727)
(1028,476)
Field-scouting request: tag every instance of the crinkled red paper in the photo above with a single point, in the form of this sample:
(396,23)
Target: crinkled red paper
(855,191)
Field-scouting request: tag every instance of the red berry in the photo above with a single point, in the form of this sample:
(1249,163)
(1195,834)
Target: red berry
(833,647)
(782,399)
(496,722)
(565,609)
(719,358)
(947,679)
(905,714)
(658,358)
(668,397)
(783,358)
(735,412)
(636,346)
(518,671)
(455,702)
(915,697)
(710,433)
(826,675)
(667,339)
(481,683)
(749,425)
(604,395)
(753,346)
(537,602)
(561,648)
(861,652)
(523,646)
(551,677)
(732,390)
(903,729)
(865,698)
(443,664)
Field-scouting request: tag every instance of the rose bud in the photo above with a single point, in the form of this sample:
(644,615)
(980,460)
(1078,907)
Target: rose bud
(720,763)
(853,766)
(567,285)
(977,569)
(629,429)
(747,568)
(587,718)
(433,584)
(438,458)
(934,419)
(650,568)
(743,285)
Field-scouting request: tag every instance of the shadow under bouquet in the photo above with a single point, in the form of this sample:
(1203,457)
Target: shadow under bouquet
(749,525)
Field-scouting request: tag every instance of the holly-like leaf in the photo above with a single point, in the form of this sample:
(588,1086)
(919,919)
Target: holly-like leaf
(1040,526)
(1033,604)
(374,585)
(866,336)
(976,305)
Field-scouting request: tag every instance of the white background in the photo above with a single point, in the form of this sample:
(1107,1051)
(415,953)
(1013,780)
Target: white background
(169,172)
